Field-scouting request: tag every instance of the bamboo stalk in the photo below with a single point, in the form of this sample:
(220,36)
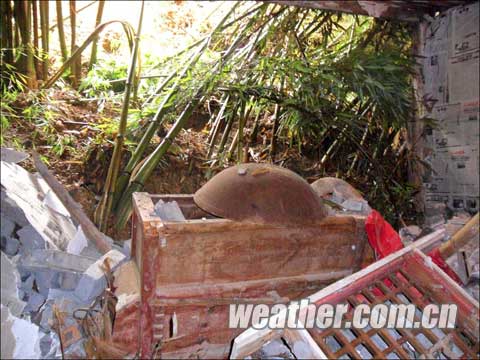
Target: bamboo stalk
(105,204)
(7,30)
(128,31)
(23,17)
(151,162)
(73,45)
(35,38)
(216,126)
(159,116)
(68,17)
(61,31)
(98,20)
(44,21)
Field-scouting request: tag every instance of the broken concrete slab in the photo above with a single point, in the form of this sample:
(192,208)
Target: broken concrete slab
(35,301)
(11,155)
(10,245)
(11,211)
(10,296)
(66,302)
(30,238)
(169,211)
(54,203)
(20,338)
(26,191)
(47,259)
(50,346)
(7,226)
(78,243)
(93,281)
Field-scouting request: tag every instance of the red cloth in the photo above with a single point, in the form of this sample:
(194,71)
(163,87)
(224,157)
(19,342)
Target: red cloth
(442,264)
(381,236)
(385,241)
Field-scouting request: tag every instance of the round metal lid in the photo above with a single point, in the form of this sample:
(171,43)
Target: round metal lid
(260,193)
(328,186)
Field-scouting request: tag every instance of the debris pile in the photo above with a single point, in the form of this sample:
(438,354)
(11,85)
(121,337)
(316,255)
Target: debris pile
(56,286)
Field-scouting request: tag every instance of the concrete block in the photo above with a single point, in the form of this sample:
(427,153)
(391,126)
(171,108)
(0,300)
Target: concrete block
(20,338)
(10,245)
(169,211)
(55,260)
(35,301)
(93,281)
(11,210)
(12,156)
(10,277)
(30,238)
(7,226)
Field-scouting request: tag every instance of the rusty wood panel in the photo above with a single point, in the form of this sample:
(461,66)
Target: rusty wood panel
(255,254)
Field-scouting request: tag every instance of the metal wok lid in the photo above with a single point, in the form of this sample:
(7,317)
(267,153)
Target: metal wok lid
(260,193)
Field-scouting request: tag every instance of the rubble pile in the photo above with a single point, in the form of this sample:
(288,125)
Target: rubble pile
(52,276)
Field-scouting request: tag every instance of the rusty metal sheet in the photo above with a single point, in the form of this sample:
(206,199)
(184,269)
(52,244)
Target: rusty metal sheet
(261,193)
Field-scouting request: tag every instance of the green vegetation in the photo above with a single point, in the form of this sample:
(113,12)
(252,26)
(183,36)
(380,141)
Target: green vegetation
(274,83)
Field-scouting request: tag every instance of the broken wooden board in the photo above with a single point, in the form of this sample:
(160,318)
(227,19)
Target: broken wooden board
(409,270)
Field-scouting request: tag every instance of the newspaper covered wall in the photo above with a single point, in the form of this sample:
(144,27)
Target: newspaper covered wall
(450,97)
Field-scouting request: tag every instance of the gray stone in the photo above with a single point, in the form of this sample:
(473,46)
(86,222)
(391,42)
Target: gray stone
(27,284)
(30,238)
(93,281)
(127,247)
(6,226)
(12,156)
(10,277)
(46,280)
(169,211)
(11,210)
(50,346)
(10,245)
(68,280)
(35,301)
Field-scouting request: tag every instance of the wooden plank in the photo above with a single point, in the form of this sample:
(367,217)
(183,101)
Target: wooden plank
(302,344)
(228,256)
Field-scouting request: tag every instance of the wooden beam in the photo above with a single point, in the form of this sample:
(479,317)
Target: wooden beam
(411,11)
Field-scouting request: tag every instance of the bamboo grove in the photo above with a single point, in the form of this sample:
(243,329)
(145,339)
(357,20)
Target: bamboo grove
(26,35)
(334,87)
(337,86)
